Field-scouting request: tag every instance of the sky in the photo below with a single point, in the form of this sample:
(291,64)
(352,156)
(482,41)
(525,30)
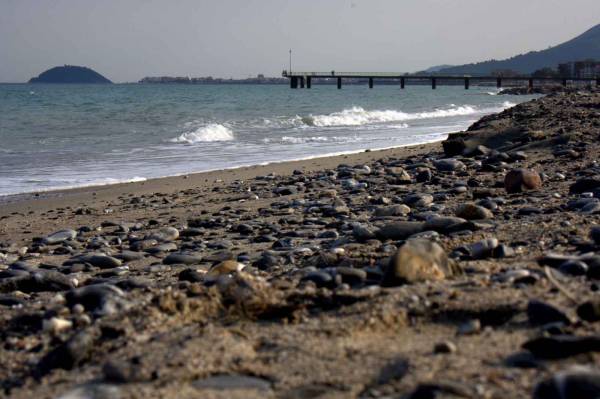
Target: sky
(126,40)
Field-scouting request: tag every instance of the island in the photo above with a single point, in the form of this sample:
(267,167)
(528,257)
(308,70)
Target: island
(70,74)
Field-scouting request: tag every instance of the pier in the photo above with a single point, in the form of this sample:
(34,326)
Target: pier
(305,79)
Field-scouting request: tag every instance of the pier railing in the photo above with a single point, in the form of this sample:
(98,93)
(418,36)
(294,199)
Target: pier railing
(304,79)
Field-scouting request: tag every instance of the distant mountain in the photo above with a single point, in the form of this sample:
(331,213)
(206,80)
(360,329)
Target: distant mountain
(437,68)
(70,74)
(583,47)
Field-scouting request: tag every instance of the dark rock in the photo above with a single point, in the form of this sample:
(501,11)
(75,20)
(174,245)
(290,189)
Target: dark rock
(321,279)
(589,311)
(362,233)
(101,261)
(182,259)
(540,313)
(577,383)
(37,282)
(584,185)
(441,389)
(562,346)
(101,299)
(70,354)
(595,234)
(522,360)
(191,275)
(573,268)
(399,230)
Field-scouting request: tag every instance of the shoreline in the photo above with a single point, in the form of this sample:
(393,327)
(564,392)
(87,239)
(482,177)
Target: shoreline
(77,195)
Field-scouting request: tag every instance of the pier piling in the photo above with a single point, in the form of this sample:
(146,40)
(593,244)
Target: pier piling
(370,83)
(498,82)
(402,83)
(339,83)
(294,82)
(302,82)
(467,83)
(433,83)
(308,82)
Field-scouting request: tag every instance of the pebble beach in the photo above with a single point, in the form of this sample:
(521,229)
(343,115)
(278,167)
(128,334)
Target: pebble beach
(467,268)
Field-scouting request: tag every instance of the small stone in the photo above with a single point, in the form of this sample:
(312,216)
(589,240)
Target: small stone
(595,234)
(59,236)
(101,261)
(399,230)
(444,347)
(577,383)
(320,278)
(473,212)
(393,210)
(362,233)
(540,313)
(562,346)
(574,268)
(418,260)
(418,200)
(449,165)
(226,267)
(470,327)
(589,311)
(182,258)
(518,180)
(56,325)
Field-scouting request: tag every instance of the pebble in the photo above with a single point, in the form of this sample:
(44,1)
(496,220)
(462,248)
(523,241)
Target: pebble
(473,212)
(59,237)
(589,311)
(540,313)
(56,325)
(225,267)
(577,383)
(175,258)
(449,165)
(519,180)
(470,327)
(444,347)
(418,260)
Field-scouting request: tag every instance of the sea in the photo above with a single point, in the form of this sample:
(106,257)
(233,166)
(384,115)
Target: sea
(65,136)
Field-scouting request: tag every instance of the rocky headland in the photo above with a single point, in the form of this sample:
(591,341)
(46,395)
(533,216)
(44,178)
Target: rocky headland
(463,269)
(69,74)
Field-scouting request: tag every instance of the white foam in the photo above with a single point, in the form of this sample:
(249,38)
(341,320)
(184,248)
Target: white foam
(210,132)
(358,116)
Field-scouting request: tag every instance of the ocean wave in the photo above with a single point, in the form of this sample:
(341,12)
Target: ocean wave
(358,116)
(210,132)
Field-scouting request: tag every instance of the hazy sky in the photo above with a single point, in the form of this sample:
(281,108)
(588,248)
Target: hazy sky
(126,40)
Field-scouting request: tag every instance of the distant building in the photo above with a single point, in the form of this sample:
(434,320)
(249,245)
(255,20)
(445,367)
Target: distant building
(588,69)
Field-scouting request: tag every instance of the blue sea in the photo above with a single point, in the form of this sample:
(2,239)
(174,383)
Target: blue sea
(64,136)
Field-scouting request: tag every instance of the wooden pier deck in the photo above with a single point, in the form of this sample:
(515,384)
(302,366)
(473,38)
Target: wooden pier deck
(305,79)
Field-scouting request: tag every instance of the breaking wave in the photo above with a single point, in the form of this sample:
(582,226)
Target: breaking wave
(211,132)
(357,116)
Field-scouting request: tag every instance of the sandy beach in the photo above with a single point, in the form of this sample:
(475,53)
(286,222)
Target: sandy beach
(458,269)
